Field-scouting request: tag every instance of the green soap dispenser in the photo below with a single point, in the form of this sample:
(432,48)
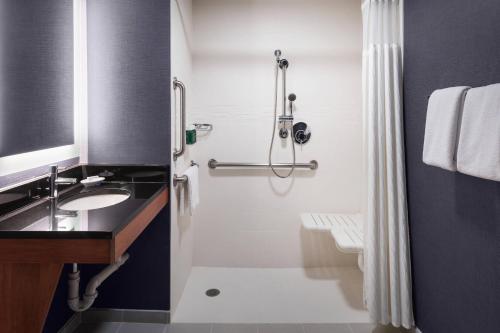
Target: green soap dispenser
(191,135)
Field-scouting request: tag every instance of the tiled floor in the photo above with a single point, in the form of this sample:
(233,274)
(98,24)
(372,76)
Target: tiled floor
(273,295)
(232,328)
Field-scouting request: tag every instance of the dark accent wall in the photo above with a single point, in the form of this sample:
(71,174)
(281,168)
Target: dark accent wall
(129,81)
(36,75)
(144,281)
(129,123)
(454,218)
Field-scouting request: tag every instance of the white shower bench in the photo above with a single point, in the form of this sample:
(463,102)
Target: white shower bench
(346,229)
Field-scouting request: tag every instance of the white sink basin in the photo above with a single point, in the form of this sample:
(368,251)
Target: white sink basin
(94,199)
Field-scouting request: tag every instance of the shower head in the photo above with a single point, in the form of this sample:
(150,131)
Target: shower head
(292,97)
(283,64)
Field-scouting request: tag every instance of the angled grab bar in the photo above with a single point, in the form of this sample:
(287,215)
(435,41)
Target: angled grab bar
(179,85)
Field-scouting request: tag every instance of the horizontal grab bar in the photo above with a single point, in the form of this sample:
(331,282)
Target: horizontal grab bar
(213,164)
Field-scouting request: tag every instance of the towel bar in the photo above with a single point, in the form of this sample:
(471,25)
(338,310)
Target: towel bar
(181,179)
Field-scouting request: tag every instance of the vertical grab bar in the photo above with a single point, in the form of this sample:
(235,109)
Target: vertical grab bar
(182,87)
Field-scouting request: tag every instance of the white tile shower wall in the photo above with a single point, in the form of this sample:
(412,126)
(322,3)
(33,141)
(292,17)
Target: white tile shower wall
(181,240)
(249,218)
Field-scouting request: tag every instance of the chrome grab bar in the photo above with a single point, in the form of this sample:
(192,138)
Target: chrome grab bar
(182,87)
(213,164)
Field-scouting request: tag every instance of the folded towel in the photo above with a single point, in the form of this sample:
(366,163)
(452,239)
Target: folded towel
(193,187)
(183,201)
(479,144)
(442,127)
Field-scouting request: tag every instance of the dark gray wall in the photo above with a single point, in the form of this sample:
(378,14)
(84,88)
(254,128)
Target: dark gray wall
(454,218)
(129,81)
(36,75)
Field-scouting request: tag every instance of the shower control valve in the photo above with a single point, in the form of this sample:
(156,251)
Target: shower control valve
(301,133)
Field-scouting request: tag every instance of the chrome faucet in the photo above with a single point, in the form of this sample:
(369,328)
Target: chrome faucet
(54,180)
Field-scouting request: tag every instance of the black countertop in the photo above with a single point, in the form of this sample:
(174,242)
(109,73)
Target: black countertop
(31,217)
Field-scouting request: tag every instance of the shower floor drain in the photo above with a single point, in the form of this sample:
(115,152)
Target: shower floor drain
(212,292)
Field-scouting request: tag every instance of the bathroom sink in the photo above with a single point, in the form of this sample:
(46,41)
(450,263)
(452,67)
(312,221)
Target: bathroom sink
(94,199)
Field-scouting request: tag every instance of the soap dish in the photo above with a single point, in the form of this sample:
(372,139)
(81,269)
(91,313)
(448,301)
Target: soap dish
(92,181)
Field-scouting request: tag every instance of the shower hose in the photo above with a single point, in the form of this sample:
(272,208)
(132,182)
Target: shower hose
(274,130)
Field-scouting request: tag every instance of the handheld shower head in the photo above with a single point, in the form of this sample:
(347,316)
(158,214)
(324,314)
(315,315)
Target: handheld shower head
(283,64)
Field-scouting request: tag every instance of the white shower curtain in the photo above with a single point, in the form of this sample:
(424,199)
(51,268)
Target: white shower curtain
(387,275)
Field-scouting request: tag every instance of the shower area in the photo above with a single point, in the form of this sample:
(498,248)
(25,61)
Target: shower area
(274,89)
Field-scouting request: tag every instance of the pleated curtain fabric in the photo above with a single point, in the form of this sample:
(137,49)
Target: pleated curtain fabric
(387,271)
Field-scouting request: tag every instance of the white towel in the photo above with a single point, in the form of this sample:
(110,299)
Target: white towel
(442,127)
(193,187)
(479,145)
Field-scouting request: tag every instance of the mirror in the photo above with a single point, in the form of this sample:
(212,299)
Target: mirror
(36,75)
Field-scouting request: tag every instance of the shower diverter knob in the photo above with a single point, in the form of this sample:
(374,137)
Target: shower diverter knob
(283,133)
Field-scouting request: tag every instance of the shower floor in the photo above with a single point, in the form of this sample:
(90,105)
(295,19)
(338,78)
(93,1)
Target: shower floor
(273,295)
